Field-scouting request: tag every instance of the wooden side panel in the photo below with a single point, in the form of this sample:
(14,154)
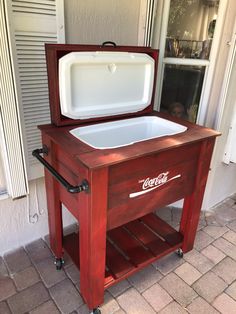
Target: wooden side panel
(142,185)
(70,202)
(74,172)
(193,202)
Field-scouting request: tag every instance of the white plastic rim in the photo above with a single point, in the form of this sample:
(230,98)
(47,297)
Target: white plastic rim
(100,84)
(126,132)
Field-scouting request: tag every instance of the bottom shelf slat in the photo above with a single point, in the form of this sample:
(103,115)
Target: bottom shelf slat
(117,264)
(159,226)
(147,237)
(131,247)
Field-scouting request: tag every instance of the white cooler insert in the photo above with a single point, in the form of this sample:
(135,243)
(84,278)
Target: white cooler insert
(100,84)
(126,132)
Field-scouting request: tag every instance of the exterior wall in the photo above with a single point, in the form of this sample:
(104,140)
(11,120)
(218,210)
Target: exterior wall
(103,20)
(16,227)
(221,182)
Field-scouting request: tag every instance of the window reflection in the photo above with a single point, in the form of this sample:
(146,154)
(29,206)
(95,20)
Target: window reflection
(191,28)
(181,91)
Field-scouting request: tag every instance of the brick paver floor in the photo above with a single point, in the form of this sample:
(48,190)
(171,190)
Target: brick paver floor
(202,282)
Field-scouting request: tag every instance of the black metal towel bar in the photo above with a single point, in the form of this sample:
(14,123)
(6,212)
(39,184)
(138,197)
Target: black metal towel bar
(84,186)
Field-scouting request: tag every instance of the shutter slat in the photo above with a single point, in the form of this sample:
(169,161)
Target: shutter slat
(36,11)
(34,7)
(26,72)
(34,1)
(43,101)
(20,4)
(34,91)
(31,85)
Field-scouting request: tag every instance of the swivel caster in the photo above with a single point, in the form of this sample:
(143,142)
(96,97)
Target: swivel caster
(180,253)
(96,311)
(59,262)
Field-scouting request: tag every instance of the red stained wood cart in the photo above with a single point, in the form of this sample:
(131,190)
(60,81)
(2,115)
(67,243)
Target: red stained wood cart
(121,188)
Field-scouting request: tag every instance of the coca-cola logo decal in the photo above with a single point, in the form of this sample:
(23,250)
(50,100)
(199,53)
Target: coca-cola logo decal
(150,184)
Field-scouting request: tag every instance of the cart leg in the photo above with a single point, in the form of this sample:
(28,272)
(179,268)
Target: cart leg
(193,202)
(189,223)
(92,231)
(54,209)
(54,217)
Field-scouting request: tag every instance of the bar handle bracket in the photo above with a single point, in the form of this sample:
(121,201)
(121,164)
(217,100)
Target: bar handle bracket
(84,186)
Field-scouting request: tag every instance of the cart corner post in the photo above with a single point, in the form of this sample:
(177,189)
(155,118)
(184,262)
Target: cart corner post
(54,204)
(93,225)
(192,203)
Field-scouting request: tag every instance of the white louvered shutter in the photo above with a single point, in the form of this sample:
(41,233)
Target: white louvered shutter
(11,139)
(32,23)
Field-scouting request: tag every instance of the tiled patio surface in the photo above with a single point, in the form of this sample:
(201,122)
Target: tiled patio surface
(202,282)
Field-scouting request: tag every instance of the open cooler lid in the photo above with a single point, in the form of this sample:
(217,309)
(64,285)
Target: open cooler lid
(99,82)
(102,83)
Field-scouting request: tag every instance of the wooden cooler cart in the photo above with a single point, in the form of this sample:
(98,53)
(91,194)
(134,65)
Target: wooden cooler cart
(114,192)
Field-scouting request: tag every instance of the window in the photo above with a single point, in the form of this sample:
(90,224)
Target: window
(190,33)
(191,28)
(181,90)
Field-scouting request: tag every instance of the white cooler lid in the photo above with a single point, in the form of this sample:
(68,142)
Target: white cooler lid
(98,84)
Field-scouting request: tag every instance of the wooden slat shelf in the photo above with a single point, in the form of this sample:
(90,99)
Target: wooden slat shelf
(131,246)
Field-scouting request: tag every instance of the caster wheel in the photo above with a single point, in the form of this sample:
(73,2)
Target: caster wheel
(59,262)
(180,253)
(96,311)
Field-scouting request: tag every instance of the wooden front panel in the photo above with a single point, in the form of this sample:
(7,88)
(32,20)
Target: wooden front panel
(145,184)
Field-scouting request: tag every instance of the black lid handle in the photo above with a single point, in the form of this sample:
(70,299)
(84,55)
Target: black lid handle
(109,43)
